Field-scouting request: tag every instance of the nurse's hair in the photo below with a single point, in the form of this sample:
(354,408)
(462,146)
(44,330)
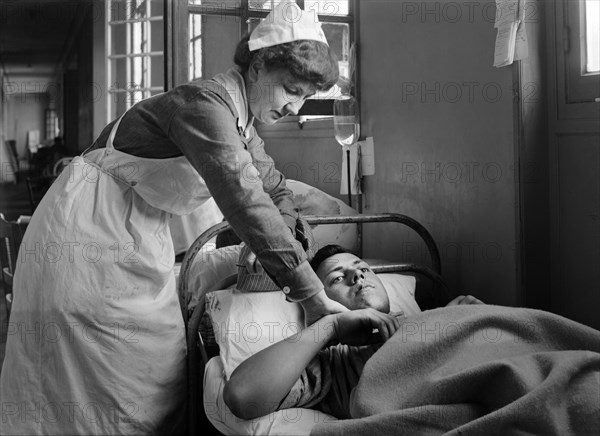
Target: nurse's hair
(308,61)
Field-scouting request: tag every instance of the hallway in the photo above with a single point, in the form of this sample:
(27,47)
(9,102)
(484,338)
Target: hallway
(14,202)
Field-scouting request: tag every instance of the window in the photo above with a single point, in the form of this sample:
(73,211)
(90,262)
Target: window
(134,42)
(592,36)
(50,125)
(582,50)
(206,33)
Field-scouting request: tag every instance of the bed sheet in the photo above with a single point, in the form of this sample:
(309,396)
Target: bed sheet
(295,421)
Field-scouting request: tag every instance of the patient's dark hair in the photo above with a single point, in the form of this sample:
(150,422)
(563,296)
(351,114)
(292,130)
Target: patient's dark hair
(308,61)
(325,253)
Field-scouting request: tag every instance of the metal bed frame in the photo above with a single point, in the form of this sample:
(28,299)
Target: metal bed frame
(197,355)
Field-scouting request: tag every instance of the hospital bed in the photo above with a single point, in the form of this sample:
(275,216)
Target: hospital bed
(204,278)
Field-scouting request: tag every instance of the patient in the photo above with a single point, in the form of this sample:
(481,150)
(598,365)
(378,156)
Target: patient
(318,367)
(350,281)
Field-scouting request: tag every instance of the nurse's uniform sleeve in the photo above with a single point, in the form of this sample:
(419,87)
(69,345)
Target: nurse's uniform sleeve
(273,181)
(205,130)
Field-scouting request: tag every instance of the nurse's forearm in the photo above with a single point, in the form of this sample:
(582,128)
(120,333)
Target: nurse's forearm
(258,385)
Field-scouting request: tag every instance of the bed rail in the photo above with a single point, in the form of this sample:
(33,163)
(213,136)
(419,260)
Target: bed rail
(197,356)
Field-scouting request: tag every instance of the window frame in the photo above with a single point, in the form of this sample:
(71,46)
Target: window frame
(129,91)
(573,85)
(176,38)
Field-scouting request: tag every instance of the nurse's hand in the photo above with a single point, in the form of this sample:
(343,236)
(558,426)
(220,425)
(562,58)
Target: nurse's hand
(319,305)
(252,264)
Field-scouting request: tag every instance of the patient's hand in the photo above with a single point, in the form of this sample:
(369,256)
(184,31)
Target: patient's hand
(464,299)
(356,327)
(319,305)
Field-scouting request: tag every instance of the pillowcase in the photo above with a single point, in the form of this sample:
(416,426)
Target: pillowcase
(245,323)
(210,266)
(401,292)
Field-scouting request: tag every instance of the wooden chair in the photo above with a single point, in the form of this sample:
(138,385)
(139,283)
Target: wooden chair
(11,235)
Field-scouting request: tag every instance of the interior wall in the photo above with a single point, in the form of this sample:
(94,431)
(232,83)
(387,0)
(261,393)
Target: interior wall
(442,119)
(99,91)
(86,88)
(24,112)
(533,162)
(314,158)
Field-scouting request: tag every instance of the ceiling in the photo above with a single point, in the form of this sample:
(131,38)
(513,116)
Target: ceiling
(34,35)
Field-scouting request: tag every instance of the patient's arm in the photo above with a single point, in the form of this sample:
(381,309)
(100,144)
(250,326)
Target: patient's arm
(261,382)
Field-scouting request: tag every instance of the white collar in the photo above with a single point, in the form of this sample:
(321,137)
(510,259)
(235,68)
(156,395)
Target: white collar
(234,83)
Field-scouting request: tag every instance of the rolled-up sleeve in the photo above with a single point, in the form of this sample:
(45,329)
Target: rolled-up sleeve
(311,388)
(205,129)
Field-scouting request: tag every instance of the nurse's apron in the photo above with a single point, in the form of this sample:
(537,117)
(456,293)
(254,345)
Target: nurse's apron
(96,340)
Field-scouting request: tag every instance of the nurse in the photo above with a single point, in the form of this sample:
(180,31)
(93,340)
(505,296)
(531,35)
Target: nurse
(96,341)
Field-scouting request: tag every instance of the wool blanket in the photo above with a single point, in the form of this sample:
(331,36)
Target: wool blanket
(479,369)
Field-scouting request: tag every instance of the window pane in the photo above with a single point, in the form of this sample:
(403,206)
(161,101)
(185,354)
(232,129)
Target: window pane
(138,8)
(328,7)
(265,5)
(118,73)
(220,38)
(157,35)
(338,37)
(118,104)
(157,8)
(158,71)
(195,49)
(138,76)
(120,10)
(592,37)
(119,39)
(138,38)
(135,95)
(216,5)
(195,69)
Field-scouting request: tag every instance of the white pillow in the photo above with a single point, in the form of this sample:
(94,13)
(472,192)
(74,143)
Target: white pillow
(401,292)
(209,267)
(247,322)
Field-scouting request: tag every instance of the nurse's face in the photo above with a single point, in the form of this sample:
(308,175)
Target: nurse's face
(350,281)
(275,94)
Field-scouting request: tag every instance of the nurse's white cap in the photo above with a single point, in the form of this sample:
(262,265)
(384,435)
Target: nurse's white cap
(286,23)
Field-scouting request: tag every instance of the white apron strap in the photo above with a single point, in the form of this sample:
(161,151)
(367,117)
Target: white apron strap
(109,142)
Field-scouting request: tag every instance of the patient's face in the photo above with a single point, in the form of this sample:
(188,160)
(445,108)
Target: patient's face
(350,281)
